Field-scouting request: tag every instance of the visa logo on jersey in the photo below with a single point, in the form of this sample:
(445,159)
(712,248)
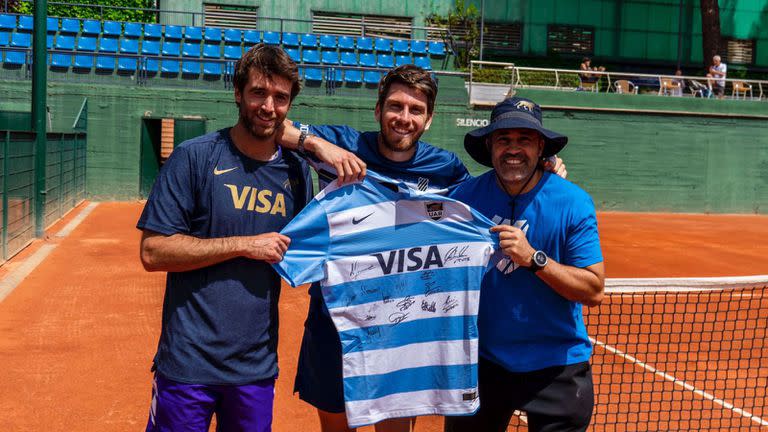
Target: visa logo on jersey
(409,259)
(260,201)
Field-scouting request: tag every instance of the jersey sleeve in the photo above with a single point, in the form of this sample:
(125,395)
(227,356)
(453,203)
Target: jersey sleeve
(304,261)
(171,202)
(343,136)
(583,242)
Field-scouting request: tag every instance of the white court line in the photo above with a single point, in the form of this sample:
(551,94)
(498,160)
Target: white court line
(17,276)
(681,383)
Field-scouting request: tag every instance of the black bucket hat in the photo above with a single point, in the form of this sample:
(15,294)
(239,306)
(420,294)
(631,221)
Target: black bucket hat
(512,113)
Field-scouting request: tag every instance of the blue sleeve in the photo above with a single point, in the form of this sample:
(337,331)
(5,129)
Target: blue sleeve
(343,136)
(460,172)
(583,242)
(171,202)
(304,261)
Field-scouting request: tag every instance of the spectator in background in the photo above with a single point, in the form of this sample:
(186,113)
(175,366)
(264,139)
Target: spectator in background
(679,82)
(717,71)
(586,65)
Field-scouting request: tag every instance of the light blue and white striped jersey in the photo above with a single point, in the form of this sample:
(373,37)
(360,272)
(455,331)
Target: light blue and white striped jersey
(400,272)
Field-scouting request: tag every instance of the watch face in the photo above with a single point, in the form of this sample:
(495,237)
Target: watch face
(540,258)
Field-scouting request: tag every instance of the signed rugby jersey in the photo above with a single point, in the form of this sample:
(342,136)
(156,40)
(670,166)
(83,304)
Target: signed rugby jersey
(400,272)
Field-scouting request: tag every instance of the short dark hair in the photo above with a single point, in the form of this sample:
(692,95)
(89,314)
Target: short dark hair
(413,77)
(586,59)
(269,61)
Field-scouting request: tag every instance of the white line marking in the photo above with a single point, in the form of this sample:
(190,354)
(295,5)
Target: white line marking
(68,228)
(675,285)
(681,383)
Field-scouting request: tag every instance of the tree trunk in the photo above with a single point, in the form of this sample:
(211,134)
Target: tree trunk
(710,29)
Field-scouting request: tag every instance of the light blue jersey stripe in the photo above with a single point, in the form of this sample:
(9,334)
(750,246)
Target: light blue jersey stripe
(395,335)
(409,380)
(397,286)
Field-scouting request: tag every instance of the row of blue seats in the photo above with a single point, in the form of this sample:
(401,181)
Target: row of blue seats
(230,52)
(229,36)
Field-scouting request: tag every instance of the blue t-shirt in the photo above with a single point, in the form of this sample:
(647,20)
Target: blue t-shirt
(524,324)
(400,272)
(430,169)
(219,322)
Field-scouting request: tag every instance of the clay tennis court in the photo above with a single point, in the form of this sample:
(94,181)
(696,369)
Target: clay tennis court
(77,335)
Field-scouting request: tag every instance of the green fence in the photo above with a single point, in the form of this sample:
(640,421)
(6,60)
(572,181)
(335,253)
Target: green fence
(65,181)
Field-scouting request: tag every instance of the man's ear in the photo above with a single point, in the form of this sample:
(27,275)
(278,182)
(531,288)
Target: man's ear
(238,97)
(429,122)
(377,113)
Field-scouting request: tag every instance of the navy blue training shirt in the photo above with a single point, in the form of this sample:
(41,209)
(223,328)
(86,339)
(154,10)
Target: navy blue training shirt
(219,323)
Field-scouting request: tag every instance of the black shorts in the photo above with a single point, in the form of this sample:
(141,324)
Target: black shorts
(558,398)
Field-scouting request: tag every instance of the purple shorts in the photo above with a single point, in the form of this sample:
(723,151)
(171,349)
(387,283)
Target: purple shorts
(189,407)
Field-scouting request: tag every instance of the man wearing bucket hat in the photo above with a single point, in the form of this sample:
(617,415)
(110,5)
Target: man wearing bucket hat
(534,348)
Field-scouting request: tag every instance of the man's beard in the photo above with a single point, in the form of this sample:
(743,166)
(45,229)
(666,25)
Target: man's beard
(399,146)
(257,131)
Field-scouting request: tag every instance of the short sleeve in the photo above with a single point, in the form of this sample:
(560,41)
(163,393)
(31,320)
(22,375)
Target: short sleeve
(343,136)
(171,202)
(460,172)
(304,261)
(583,242)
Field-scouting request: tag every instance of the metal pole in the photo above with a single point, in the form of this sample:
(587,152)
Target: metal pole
(39,89)
(482,27)
(680,34)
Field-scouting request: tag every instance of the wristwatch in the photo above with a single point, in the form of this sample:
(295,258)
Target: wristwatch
(304,133)
(539,260)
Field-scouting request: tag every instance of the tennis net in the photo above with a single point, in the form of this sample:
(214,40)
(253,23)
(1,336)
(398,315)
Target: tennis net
(680,354)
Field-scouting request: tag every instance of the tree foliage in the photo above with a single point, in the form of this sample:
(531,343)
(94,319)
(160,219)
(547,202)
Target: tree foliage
(463,24)
(710,26)
(95,9)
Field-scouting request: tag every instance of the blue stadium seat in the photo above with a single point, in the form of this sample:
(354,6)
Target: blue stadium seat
(371,77)
(212,34)
(26,23)
(129,46)
(65,42)
(313,74)
(150,65)
(308,40)
(232,52)
(169,66)
(49,41)
(353,76)
(105,64)
(271,38)
(7,22)
(150,47)
(233,36)
(191,50)
(289,39)
(16,58)
(112,29)
(5,38)
(348,58)
(437,48)
(190,67)
(251,38)
(346,42)
(107,45)
(173,32)
(126,64)
(83,62)
(364,44)
(328,42)
(70,26)
(132,30)
(329,57)
(422,62)
(383,45)
(293,53)
(171,49)
(211,69)
(310,56)
(153,31)
(212,51)
(193,33)
(367,60)
(419,47)
(86,43)
(21,40)
(401,46)
(402,60)
(91,27)
(334,75)
(52,25)
(385,61)
(61,61)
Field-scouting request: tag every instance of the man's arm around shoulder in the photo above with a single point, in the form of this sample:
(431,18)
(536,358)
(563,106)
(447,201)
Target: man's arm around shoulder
(181,252)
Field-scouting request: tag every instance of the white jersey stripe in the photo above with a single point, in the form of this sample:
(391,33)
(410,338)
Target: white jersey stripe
(425,402)
(382,361)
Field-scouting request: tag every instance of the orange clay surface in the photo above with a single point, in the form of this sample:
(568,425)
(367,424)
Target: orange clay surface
(78,335)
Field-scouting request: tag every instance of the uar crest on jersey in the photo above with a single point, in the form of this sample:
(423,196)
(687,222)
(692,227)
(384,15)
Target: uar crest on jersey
(410,259)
